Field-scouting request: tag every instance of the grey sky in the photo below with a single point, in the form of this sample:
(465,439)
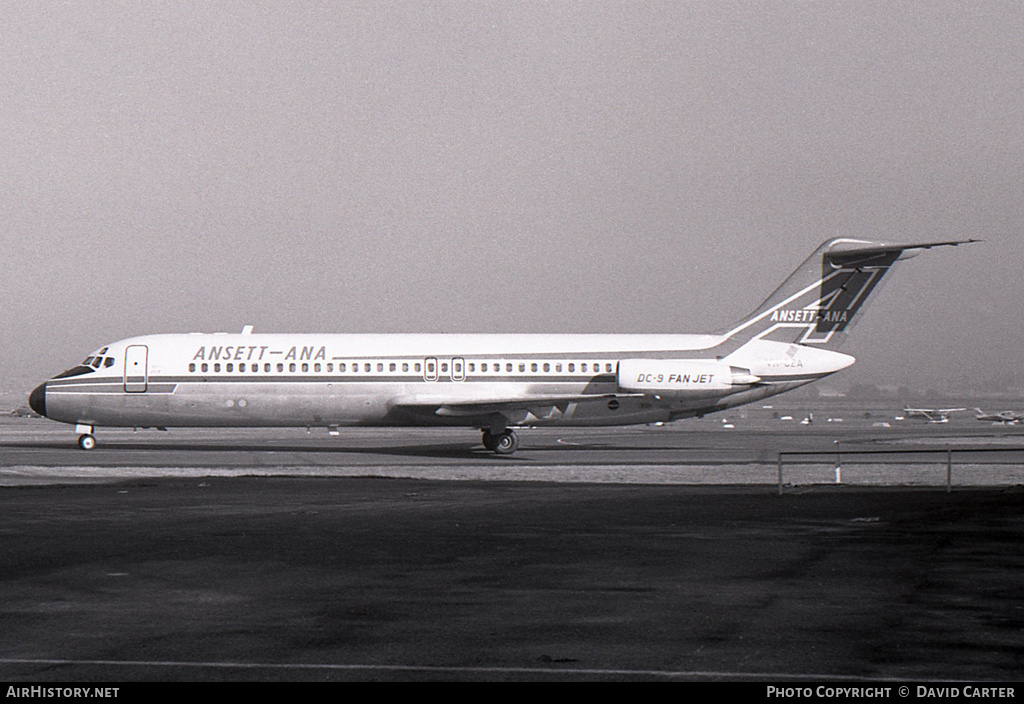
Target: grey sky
(505,167)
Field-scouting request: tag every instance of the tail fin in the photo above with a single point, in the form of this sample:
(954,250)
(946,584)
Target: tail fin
(819,302)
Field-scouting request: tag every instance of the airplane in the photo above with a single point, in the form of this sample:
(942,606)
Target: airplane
(495,383)
(1005,417)
(933,415)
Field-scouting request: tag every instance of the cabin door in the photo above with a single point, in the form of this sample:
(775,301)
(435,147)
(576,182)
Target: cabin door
(136,374)
(430,369)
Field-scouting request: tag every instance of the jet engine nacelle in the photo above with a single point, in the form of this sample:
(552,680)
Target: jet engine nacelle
(682,378)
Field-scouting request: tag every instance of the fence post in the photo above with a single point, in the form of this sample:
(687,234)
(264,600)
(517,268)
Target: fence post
(780,474)
(949,469)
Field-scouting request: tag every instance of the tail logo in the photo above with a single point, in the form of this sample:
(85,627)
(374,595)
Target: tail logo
(842,292)
(819,301)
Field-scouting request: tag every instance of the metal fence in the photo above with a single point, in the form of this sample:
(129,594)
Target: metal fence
(894,456)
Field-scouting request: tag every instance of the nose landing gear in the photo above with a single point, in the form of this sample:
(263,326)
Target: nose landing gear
(502,443)
(86,440)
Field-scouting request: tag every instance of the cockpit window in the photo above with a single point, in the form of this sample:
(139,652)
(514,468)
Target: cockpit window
(98,361)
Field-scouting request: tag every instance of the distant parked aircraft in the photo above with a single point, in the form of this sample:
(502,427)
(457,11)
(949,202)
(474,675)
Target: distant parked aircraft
(1005,417)
(933,415)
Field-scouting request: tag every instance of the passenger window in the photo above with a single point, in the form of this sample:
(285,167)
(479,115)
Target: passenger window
(393,367)
(305,366)
(416,367)
(266,367)
(405,366)
(572,366)
(229,367)
(483,367)
(444,367)
(583,367)
(216,367)
(192,367)
(508,366)
(522,366)
(472,366)
(367,367)
(291,367)
(206,367)
(280,366)
(380,366)
(533,367)
(547,367)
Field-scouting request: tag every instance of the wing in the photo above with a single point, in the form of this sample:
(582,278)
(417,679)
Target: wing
(514,409)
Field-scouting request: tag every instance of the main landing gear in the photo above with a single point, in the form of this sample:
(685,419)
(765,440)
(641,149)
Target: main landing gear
(502,443)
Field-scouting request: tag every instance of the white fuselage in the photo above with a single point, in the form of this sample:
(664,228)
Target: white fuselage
(407,379)
(490,382)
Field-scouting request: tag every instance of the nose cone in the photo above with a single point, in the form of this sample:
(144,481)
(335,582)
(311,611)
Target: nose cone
(37,399)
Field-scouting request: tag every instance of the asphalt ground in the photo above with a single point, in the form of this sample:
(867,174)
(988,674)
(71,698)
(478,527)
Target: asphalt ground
(258,567)
(395,579)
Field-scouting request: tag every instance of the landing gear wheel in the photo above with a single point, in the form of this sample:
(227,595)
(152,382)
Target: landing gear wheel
(86,442)
(490,441)
(506,443)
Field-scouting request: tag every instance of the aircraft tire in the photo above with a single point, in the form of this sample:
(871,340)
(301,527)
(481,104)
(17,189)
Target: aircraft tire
(507,443)
(490,441)
(86,442)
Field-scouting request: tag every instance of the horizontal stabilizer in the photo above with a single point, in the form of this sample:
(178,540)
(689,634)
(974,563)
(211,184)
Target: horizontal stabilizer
(861,252)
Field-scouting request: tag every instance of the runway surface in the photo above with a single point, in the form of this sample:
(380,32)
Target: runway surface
(632,554)
(699,451)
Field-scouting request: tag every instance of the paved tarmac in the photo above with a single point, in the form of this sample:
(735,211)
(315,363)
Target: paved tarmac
(257,567)
(691,452)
